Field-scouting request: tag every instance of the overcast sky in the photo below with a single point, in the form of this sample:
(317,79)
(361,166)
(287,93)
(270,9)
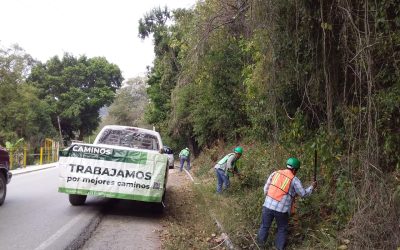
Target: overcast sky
(109,28)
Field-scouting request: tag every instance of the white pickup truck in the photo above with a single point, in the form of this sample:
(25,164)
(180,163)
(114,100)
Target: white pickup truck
(122,163)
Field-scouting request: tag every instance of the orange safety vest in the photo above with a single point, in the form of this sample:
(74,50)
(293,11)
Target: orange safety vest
(280,184)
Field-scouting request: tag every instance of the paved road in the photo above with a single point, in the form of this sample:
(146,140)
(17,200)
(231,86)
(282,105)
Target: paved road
(35,216)
(127,225)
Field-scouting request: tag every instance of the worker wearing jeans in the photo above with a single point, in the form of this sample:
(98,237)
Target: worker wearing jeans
(184,155)
(280,189)
(222,180)
(226,166)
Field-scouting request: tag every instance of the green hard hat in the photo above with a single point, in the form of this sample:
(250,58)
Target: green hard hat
(293,163)
(238,150)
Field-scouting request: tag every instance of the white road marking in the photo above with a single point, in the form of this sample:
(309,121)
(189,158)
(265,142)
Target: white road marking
(45,244)
(187,172)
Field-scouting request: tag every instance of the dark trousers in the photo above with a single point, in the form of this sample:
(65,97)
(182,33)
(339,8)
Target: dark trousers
(282,221)
(222,180)
(182,162)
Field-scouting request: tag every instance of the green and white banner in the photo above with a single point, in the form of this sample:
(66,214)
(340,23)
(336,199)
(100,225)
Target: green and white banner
(109,172)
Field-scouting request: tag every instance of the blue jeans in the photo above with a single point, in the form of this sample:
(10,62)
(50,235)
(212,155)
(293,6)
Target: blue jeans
(282,222)
(182,161)
(222,179)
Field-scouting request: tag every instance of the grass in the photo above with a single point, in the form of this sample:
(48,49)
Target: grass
(238,209)
(188,224)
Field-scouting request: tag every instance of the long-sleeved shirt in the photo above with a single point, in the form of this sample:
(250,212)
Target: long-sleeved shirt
(229,164)
(284,205)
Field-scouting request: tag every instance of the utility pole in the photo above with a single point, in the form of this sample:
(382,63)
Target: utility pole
(59,129)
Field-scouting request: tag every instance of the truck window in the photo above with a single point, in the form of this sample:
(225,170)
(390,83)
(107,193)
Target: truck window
(129,138)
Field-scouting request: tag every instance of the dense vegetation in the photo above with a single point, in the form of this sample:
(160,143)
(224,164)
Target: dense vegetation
(59,98)
(282,78)
(129,105)
(292,76)
(76,89)
(23,113)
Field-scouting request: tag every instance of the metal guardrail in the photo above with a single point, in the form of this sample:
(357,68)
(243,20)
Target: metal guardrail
(47,154)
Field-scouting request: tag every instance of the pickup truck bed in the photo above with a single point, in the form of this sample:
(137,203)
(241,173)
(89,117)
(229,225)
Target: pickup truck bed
(133,170)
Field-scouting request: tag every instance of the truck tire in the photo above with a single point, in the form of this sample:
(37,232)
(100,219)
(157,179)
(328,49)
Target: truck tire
(77,199)
(3,188)
(159,207)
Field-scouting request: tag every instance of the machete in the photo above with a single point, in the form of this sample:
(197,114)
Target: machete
(315,165)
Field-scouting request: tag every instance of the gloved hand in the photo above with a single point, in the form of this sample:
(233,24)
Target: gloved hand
(314,184)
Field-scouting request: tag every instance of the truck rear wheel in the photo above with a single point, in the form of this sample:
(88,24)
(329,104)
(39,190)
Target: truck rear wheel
(159,207)
(3,188)
(77,199)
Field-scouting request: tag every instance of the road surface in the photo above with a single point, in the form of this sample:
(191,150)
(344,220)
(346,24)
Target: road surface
(35,216)
(130,225)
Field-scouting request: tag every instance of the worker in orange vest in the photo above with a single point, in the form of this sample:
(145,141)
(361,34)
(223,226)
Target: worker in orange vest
(280,189)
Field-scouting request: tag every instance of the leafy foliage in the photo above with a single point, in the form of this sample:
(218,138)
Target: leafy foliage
(299,76)
(76,89)
(23,113)
(129,104)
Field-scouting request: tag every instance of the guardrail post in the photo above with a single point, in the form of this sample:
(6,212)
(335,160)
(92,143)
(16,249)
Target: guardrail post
(48,152)
(24,157)
(41,156)
(11,160)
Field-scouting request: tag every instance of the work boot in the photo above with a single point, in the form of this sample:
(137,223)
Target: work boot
(260,244)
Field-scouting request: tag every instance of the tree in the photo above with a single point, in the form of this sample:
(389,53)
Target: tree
(22,113)
(162,76)
(76,89)
(129,104)
(208,100)
(300,74)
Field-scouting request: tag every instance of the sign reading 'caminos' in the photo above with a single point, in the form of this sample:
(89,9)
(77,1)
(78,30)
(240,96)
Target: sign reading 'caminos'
(92,150)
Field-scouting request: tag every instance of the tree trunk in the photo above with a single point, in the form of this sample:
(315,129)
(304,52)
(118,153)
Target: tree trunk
(328,84)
